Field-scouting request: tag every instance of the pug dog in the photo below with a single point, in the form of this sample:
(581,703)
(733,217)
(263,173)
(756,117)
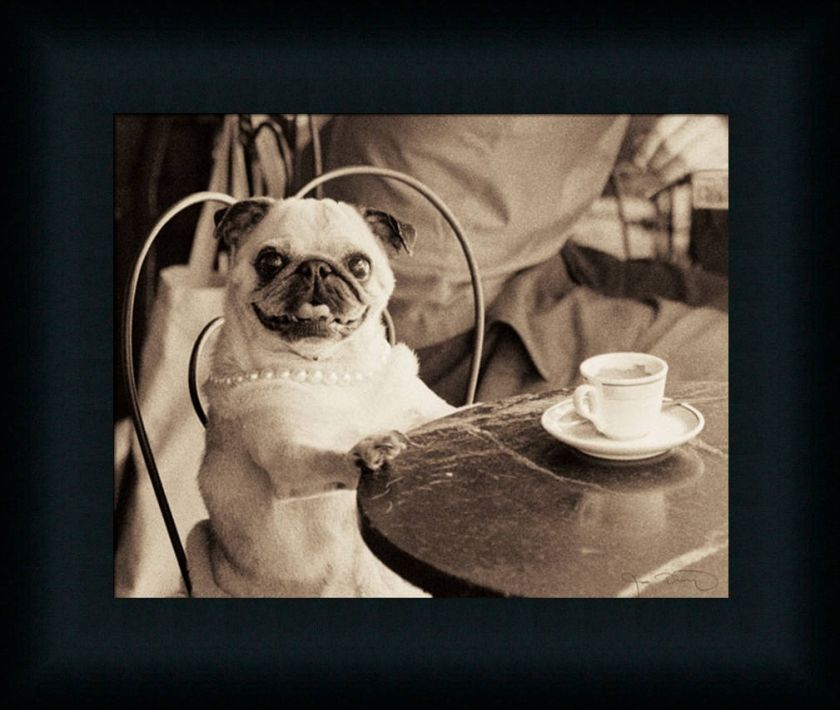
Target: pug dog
(305,393)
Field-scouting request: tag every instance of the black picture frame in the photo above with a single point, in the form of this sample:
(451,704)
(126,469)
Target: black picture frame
(69,77)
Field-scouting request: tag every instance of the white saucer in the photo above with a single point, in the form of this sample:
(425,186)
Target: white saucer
(679,422)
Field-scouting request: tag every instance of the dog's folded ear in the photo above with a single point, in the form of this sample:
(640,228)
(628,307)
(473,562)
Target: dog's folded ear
(395,234)
(234,222)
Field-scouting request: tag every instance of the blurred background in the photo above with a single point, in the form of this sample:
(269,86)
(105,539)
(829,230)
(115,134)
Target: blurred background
(157,161)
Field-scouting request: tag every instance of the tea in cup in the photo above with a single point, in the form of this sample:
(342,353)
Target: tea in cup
(623,393)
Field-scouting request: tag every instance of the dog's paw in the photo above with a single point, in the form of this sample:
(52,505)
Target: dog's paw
(374,452)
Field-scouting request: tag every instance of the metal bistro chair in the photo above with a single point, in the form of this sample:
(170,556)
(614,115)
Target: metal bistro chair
(213,325)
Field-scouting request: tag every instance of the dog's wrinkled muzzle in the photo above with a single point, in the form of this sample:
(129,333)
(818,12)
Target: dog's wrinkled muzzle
(316,300)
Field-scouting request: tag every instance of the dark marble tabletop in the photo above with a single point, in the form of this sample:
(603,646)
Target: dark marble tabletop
(486,502)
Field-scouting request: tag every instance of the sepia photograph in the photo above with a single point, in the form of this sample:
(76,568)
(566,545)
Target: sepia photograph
(421,355)
(457,327)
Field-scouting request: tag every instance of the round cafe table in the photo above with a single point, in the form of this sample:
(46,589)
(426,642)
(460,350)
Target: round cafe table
(485,502)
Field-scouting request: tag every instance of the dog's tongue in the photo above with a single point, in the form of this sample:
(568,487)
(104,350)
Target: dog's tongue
(308,311)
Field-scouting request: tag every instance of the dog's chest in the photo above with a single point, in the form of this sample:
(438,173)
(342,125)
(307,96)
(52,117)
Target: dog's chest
(339,419)
(326,416)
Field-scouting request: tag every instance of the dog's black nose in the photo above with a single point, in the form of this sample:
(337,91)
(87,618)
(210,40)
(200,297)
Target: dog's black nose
(314,267)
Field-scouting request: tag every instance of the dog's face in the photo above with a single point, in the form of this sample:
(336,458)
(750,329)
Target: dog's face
(308,274)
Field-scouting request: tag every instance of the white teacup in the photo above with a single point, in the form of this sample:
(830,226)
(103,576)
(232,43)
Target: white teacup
(623,393)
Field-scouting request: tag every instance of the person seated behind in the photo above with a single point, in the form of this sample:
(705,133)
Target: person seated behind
(518,185)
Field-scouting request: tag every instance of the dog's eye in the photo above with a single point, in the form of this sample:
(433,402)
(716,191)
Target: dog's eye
(268,263)
(359,266)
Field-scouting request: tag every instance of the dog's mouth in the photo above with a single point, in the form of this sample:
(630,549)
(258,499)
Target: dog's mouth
(323,325)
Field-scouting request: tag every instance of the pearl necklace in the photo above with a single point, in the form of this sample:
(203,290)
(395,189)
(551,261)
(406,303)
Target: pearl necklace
(316,376)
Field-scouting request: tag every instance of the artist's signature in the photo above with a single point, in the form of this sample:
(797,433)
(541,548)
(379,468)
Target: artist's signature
(702,581)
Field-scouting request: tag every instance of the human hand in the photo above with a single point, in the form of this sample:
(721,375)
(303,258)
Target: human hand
(679,145)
